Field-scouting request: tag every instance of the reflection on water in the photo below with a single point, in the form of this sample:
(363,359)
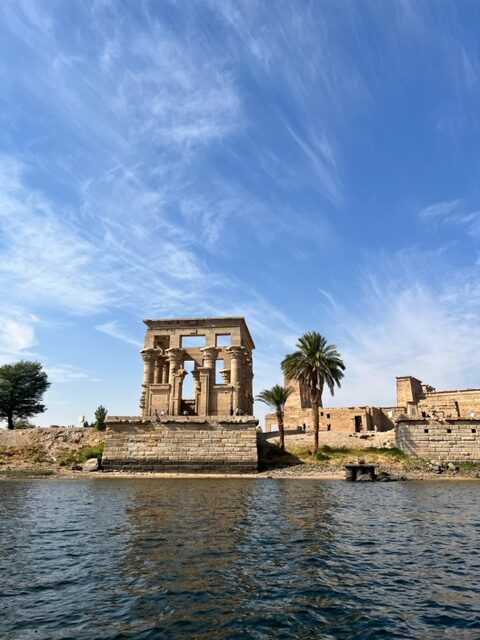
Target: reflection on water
(210,559)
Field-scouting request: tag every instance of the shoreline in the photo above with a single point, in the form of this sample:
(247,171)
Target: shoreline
(41,473)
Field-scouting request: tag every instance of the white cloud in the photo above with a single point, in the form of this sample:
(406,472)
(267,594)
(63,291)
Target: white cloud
(409,326)
(68,373)
(17,335)
(43,259)
(454,212)
(441,209)
(112,329)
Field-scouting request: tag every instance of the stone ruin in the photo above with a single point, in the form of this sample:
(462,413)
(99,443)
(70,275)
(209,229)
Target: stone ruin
(196,401)
(215,354)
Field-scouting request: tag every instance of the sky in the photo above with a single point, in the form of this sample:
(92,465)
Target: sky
(306,165)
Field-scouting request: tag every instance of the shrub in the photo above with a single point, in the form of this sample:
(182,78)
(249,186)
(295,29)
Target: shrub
(82,455)
(100,417)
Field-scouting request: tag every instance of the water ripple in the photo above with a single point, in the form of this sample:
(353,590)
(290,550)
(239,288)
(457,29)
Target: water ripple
(238,559)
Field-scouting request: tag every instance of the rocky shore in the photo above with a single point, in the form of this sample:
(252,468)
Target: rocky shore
(63,452)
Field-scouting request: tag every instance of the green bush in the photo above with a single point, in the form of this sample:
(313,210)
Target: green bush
(82,455)
(100,418)
(468,464)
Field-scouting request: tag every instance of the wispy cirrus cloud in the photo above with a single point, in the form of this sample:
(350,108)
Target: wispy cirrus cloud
(410,324)
(17,334)
(115,331)
(453,212)
(66,373)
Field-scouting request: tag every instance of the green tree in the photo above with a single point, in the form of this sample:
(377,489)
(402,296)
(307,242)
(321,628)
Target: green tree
(276,398)
(313,366)
(100,416)
(22,385)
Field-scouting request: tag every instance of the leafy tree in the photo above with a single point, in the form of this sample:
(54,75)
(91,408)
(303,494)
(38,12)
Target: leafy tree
(314,365)
(276,398)
(100,416)
(22,385)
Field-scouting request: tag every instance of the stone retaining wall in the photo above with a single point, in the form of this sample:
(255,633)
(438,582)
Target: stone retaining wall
(186,444)
(454,440)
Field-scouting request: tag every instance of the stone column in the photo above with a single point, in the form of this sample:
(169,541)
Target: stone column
(165,372)
(176,375)
(159,365)
(210,355)
(237,375)
(197,389)
(207,377)
(148,356)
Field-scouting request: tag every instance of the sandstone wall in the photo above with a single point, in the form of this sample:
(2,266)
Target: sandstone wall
(462,402)
(338,419)
(450,440)
(193,444)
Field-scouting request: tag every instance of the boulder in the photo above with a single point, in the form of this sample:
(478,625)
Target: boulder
(92,464)
(384,476)
(364,477)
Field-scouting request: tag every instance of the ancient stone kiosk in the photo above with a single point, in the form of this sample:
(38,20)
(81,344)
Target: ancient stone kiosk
(196,401)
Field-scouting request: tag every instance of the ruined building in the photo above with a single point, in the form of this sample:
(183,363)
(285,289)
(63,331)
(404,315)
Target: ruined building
(214,355)
(196,401)
(414,400)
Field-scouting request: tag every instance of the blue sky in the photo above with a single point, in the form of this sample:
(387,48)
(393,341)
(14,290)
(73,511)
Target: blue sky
(309,165)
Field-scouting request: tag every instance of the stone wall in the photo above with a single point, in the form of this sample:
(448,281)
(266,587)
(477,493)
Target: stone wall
(338,419)
(191,445)
(453,440)
(452,403)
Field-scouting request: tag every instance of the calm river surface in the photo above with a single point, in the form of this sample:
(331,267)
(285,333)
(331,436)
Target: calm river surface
(234,558)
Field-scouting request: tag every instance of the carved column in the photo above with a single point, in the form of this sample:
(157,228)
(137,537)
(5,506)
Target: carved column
(197,389)
(159,367)
(148,356)
(249,384)
(237,375)
(165,369)
(176,375)
(210,355)
(207,377)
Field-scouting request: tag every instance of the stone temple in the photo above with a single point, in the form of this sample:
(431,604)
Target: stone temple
(215,353)
(196,401)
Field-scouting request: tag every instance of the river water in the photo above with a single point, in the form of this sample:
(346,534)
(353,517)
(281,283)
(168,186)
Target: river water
(238,558)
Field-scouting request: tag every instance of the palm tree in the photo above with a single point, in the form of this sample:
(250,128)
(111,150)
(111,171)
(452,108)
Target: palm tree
(314,365)
(276,398)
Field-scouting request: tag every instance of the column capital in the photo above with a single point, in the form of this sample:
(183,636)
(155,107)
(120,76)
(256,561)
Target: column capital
(225,373)
(236,351)
(174,353)
(147,354)
(210,353)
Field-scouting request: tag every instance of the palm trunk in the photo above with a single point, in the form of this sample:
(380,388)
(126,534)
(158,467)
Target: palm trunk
(316,422)
(320,394)
(281,430)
